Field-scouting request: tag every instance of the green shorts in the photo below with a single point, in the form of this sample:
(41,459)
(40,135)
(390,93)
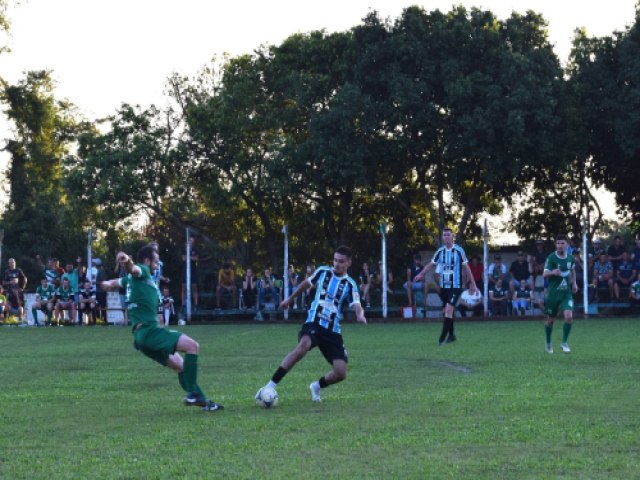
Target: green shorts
(156,343)
(558,302)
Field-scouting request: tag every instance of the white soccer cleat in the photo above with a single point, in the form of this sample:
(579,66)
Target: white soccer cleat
(565,347)
(548,348)
(315,392)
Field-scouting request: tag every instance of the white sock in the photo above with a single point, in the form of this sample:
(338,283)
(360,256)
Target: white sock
(271,384)
(167,315)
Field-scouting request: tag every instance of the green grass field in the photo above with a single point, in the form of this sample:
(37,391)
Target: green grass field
(80,403)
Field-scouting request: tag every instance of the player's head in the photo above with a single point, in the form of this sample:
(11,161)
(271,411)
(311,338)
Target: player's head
(447,236)
(87,284)
(44,281)
(561,243)
(341,260)
(165,291)
(11,262)
(148,256)
(69,267)
(65,282)
(417,259)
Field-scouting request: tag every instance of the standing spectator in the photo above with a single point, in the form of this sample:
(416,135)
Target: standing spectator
(615,251)
(267,288)
(520,273)
(249,289)
(411,286)
(366,277)
(14,281)
(87,303)
(167,303)
(226,283)
(73,275)
(477,271)
(603,275)
(537,259)
(450,262)
(498,298)
(624,275)
(65,301)
(194,257)
(497,270)
(559,270)
(50,271)
(98,276)
(577,256)
(121,272)
(293,283)
(521,298)
(45,298)
(635,254)
(310,291)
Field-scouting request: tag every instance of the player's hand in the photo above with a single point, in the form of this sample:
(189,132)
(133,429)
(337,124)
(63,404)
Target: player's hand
(284,305)
(122,257)
(556,272)
(418,277)
(361,318)
(575,288)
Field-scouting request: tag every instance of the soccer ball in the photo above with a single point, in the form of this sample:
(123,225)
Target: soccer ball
(267,397)
(181,322)
(471,300)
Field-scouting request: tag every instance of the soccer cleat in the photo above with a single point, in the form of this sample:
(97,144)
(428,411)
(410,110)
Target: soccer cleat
(451,339)
(315,392)
(195,400)
(565,347)
(548,348)
(212,406)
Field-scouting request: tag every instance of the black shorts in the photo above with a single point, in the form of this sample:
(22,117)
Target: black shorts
(450,295)
(329,343)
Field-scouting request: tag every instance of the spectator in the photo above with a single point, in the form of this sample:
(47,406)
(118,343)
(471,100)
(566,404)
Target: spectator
(537,259)
(97,277)
(579,268)
(634,292)
(477,270)
(378,275)
(87,303)
(410,286)
(603,275)
(121,272)
(624,275)
(615,251)
(520,273)
(45,298)
(226,283)
(366,277)
(3,303)
(73,274)
(267,288)
(311,291)
(498,298)
(497,270)
(194,257)
(294,279)
(65,301)
(521,298)
(248,289)
(14,281)
(167,303)
(50,271)
(635,255)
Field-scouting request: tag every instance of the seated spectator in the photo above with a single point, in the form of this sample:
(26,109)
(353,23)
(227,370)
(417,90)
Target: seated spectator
(521,298)
(14,281)
(226,283)
(520,273)
(635,255)
(65,301)
(634,291)
(87,303)
(411,286)
(537,260)
(477,270)
(624,275)
(3,303)
(366,277)
(603,274)
(496,271)
(498,298)
(294,279)
(44,302)
(615,251)
(378,275)
(267,289)
(167,303)
(577,256)
(248,289)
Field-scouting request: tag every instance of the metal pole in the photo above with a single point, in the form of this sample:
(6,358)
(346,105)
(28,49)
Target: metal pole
(585,284)
(1,240)
(383,273)
(285,231)
(188,276)
(90,258)
(485,274)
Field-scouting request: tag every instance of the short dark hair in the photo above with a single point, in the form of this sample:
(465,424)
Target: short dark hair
(145,253)
(561,236)
(344,250)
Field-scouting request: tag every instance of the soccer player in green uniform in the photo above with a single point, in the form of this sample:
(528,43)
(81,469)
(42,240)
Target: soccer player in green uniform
(157,343)
(65,301)
(45,296)
(559,270)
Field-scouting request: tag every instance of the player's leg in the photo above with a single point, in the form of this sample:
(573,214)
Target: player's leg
(332,347)
(34,312)
(567,307)
(167,316)
(294,356)
(550,311)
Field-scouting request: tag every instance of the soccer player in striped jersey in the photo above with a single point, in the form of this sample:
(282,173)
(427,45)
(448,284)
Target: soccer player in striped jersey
(450,262)
(333,288)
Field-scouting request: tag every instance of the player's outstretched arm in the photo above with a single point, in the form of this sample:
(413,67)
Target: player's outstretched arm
(359,313)
(127,262)
(109,285)
(289,300)
(423,272)
(472,283)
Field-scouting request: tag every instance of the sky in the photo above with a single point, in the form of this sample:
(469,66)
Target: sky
(104,53)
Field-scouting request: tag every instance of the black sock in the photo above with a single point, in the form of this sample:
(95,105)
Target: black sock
(450,323)
(323,382)
(445,328)
(279,375)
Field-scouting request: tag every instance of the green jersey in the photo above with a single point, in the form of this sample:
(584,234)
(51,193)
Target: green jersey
(46,293)
(142,297)
(566,265)
(64,295)
(73,279)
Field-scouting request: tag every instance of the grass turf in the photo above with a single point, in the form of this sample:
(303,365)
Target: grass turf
(80,403)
